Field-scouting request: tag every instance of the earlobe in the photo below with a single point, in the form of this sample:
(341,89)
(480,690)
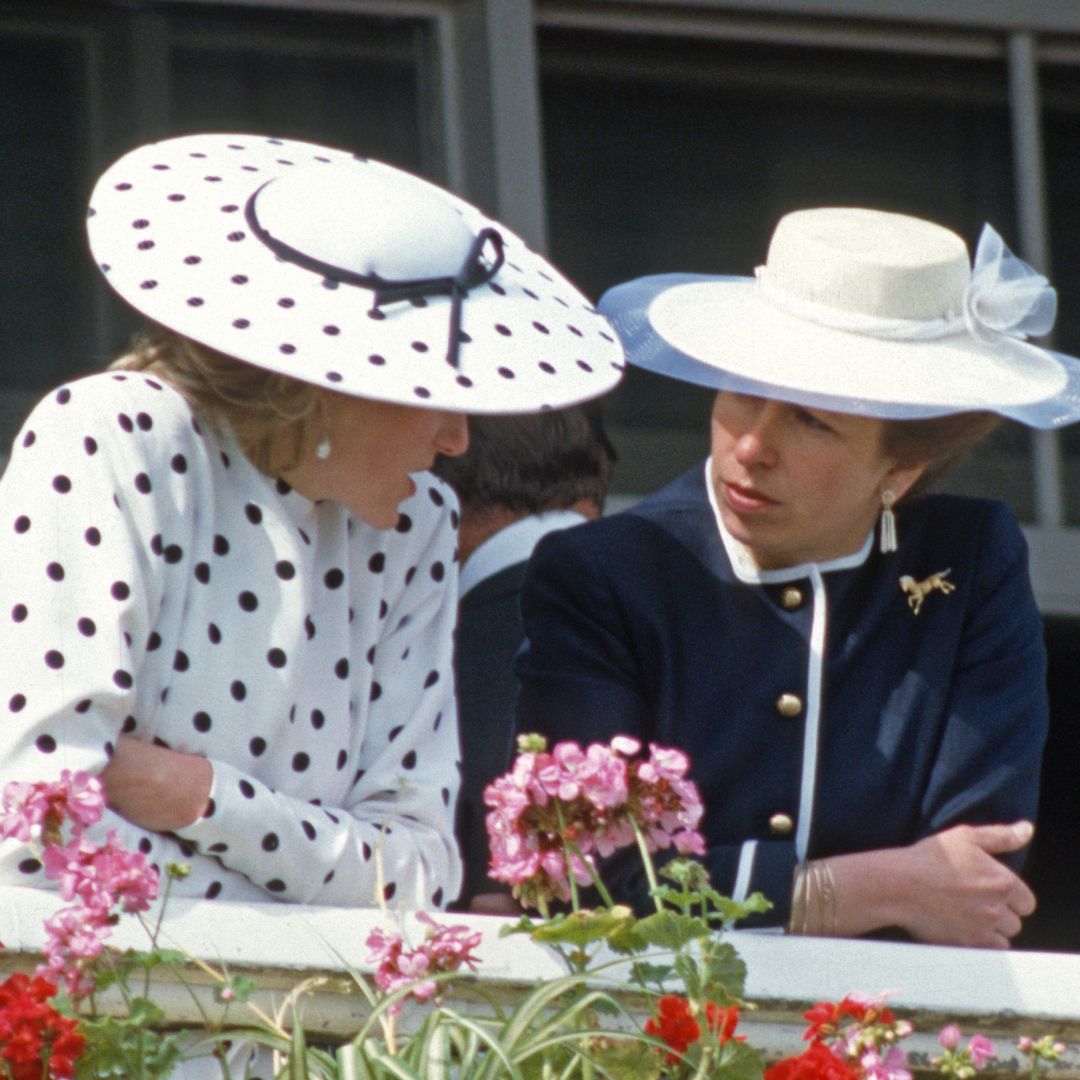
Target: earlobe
(900,479)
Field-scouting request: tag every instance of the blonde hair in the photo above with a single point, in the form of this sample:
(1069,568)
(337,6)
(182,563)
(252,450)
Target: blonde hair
(272,416)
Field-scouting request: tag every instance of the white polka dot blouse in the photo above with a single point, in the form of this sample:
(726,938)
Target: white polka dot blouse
(155,583)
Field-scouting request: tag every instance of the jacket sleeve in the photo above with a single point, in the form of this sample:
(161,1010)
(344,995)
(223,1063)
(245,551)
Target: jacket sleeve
(988,762)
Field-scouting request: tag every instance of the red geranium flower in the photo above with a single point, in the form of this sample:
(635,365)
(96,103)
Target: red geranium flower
(675,1025)
(723,1020)
(825,1017)
(36,1042)
(816,1062)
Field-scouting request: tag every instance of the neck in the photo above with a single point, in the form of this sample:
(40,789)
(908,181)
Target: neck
(480,525)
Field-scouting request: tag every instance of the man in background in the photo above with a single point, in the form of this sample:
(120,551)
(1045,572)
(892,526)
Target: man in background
(522,477)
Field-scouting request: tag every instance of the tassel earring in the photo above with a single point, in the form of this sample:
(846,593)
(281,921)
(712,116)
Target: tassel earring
(888,522)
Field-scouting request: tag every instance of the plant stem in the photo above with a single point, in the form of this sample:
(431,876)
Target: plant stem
(646,858)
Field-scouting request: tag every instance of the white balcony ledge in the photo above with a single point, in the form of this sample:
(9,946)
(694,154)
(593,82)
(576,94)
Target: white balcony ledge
(1003,994)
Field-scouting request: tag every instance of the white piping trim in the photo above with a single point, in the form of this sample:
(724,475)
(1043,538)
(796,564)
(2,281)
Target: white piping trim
(745,873)
(811,731)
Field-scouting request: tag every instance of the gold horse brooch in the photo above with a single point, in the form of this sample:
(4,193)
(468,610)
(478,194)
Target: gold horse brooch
(918,591)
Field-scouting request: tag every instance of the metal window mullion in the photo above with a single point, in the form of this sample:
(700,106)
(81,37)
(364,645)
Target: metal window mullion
(1028,168)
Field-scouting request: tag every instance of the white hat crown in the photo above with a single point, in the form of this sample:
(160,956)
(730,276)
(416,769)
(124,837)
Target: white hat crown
(868,262)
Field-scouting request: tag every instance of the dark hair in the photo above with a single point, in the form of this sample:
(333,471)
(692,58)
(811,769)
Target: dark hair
(939,441)
(528,464)
(264,409)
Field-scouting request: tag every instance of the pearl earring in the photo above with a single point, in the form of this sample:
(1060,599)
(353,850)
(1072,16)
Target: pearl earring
(322,450)
(888,522)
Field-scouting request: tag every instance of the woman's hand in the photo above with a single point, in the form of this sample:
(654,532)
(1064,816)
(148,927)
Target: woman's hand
(948,889)
(154,787)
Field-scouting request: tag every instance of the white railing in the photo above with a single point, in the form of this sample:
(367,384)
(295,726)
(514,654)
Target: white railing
(1003,994)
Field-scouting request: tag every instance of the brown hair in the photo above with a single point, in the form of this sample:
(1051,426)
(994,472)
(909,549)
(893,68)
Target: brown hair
(939,441)
(265,411)
(531,463)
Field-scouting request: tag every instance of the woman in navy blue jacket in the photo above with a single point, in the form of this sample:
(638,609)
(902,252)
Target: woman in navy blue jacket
(859,685)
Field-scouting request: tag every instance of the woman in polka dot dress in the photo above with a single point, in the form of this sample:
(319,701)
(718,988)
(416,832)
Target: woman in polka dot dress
(228,583)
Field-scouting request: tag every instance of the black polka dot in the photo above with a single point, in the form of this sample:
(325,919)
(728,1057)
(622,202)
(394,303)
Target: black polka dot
(153,642)
(178,463)
(173,553)
(247,789)
(219,848)
(87,627)
(318,718)
(438,571)
(63,395)
(276,658)
(300,762)
(144,421)
(46,744)
(395,732)
(125,422)
(55,571)
(409,760)
(214,634)
(22,523)
(17,702)
(341,668)
(342,759)
(270,842)
(309,829)
(123,679)
(248,601)
(257,746)
(83,706)
(422,392)
(389,890)
(376,691)
(309,627)
(431,680)
(437,897)
(143,484)
(285,570)
(253,513)
(120,590)
(129,725)
(546,367)
(213,890)
(446,796)
(334,579)
(202,722)
(29,866)
(181,661)
(202,573)
(221,545)
(54,659)
(19,613)
(275,885)
(377,563)
(241,324)
(61,485)
(504,330)
(238,690)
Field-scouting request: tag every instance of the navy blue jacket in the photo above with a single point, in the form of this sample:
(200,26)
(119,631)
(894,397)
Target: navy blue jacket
(639,623)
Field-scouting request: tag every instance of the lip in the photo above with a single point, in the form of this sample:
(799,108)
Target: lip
(745,499)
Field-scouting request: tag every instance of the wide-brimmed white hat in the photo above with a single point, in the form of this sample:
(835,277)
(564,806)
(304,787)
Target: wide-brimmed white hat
(861,311)
(347,273)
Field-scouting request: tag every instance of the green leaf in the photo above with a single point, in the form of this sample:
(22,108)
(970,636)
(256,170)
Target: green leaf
(583,927)
(645,973)
(670,930)
(723,972)
(628,1059)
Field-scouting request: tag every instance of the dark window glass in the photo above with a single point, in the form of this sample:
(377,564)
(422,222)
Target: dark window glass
(1061,139)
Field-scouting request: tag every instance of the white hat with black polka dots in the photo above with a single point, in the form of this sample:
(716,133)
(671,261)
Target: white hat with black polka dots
(347,273)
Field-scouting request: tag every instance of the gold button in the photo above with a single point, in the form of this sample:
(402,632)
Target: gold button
(789,705)
(791,598)
(781,825)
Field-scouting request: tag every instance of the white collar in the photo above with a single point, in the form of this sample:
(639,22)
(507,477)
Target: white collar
(512,544)
(748,571)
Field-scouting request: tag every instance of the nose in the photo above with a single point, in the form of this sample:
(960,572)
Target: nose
(756,442)
(452,436)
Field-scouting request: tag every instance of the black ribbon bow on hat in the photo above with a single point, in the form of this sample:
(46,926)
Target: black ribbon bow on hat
(474,271)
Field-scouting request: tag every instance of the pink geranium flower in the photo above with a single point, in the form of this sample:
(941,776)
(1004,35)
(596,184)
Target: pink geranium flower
(77,797)
(444,949)
(554,812)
